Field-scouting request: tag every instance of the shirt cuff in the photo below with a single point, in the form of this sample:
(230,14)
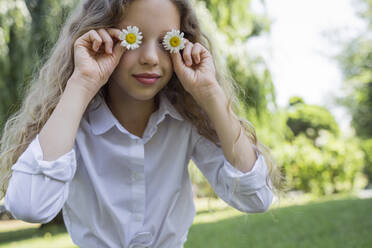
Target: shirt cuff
(31,161)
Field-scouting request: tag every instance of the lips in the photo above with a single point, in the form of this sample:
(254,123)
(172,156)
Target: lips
(147,75)
(147,78)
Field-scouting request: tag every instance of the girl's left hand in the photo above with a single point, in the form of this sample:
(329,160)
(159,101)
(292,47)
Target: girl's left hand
(196,71)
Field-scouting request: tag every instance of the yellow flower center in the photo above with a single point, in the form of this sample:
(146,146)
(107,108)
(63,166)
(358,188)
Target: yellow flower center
(175,41)
(130,38)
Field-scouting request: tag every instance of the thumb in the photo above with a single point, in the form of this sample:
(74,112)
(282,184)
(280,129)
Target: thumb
(178,64)
(118,51)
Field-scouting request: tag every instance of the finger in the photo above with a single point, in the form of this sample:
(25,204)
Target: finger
(178,64)
(92,37)
(118,49)
(114,32)
(96,40)
(186,53)
(196,50)
(106,39)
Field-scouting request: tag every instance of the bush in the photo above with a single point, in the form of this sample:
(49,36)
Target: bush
(331,165)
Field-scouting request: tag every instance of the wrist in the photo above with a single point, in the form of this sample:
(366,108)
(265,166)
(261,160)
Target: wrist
(215,99)
(79,85)
(76,97)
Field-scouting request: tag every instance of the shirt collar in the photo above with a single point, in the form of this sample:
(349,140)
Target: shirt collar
(101,118)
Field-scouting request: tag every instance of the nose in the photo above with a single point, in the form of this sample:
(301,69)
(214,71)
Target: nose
(149,53)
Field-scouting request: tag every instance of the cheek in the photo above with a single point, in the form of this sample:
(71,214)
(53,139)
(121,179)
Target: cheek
(168,64)
(127,61)
(169,70)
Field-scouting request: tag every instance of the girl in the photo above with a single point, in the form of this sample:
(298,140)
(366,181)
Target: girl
(106,131)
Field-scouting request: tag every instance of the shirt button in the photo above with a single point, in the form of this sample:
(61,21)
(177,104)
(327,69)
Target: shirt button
(138,217)
(136,176)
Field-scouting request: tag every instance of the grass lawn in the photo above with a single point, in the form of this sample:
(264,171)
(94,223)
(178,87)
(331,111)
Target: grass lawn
(335,221)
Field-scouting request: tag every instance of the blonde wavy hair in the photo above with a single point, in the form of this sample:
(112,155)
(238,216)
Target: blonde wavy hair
(48,84)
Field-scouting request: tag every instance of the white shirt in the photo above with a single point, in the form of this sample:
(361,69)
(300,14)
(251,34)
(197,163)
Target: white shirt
(119,190)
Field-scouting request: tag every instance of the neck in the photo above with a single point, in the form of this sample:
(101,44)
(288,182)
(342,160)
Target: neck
(133,114)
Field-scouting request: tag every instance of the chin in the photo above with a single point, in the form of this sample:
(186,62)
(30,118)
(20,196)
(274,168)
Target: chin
(144,96)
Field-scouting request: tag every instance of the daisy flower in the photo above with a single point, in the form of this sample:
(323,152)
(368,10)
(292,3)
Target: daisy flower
(131,37)
(174,41)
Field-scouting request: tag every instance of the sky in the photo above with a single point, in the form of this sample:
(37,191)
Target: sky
(298,50)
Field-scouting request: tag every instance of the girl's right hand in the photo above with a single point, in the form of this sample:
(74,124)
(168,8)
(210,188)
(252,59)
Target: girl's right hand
(94,63)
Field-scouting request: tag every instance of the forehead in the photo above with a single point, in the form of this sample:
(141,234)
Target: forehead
(152,16)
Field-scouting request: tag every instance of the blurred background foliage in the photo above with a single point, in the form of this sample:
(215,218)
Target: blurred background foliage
(356,63)
(306,141)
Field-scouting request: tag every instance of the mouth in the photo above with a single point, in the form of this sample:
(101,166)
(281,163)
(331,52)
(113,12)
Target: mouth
(147,78)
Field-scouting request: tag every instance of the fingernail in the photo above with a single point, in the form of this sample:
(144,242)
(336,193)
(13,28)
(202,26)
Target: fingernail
(110,49)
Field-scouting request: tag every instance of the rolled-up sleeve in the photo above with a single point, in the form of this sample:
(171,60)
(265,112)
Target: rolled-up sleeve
(247,192)
(38,189)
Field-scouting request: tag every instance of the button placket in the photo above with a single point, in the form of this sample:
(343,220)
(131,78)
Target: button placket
(136,176)
(138,185)
(138,217)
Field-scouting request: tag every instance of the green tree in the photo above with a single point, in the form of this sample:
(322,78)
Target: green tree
(355,61)
(14,21)
(236,19)
(47,17)
(28,29)
(356,64)
(310,119)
